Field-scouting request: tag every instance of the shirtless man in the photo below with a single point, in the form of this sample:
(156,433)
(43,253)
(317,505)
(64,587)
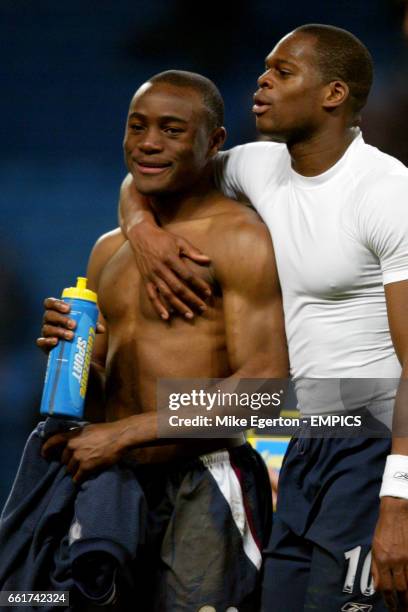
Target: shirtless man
(173,131)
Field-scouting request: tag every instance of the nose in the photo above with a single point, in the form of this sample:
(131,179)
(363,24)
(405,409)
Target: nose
(150,142)
(265,80)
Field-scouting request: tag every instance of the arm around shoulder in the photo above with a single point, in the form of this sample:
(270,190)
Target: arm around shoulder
(158,255)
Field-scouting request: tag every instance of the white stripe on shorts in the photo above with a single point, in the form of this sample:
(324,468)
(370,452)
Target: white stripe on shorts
(219,465)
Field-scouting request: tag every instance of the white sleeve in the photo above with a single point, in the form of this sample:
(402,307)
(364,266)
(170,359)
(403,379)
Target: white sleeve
(243,172)
(229,173)
(384,225)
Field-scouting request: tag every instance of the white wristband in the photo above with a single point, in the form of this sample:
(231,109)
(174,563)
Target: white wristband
(395,477)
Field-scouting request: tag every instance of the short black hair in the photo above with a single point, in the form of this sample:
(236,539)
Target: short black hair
(341,55)
(208,91)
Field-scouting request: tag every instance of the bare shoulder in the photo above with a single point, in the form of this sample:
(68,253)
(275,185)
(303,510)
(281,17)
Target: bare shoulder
(241,244)
(109,242)
(239,224)
(222,205)
(103,250)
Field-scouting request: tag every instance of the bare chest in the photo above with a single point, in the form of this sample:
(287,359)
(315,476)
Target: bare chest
(122,295)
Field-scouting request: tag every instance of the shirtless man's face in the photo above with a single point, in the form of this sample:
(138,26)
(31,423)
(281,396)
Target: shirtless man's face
(166,140)
(289,101)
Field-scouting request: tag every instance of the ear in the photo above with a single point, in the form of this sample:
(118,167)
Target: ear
(216,141)
(337,92)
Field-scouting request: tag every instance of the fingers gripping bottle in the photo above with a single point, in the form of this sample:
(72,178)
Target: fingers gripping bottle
(68,365)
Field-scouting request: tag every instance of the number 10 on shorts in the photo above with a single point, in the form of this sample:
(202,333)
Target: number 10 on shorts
(366,580)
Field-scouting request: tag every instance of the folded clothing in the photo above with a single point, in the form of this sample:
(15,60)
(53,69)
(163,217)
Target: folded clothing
(55,535)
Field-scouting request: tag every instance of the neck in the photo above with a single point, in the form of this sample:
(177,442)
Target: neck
(189,204)
(321,151)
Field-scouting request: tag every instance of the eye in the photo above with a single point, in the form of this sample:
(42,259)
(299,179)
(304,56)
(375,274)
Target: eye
(173,131)
(283,72)
(136,127)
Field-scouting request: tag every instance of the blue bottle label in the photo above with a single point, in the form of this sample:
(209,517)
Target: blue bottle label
(68,365)
(80,359)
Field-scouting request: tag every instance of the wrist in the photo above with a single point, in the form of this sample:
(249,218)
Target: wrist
(139,221)
(393,508)
(136,430)
(115,438)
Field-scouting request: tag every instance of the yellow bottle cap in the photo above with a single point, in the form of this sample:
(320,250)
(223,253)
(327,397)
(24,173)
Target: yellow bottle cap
(80,292)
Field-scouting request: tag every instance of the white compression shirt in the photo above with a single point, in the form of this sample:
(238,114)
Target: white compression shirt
(338,237)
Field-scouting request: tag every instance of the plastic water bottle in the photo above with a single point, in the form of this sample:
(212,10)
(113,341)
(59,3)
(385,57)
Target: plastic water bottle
(68,365)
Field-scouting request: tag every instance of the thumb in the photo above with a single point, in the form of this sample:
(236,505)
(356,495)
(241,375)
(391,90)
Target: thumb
(190,251)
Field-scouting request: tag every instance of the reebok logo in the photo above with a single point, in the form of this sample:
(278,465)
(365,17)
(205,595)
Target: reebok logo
(401,476)
(356,607)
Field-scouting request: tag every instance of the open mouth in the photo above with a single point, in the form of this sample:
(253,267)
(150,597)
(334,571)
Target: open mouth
(260,109)
(261,105)
(145,167)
